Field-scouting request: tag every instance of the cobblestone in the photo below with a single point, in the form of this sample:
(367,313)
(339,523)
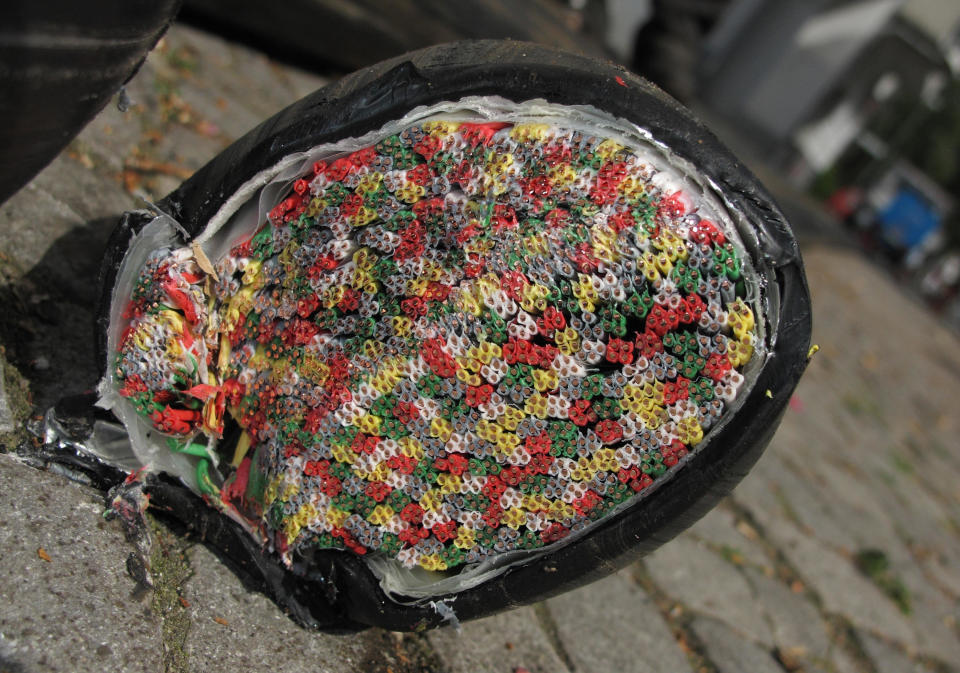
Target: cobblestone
(843,589)
(68,602)
(730,653)
(888,659)
(700,579)
(595,622)
(721,529)
(504,642)
(799,631)
(932,615)
(232,629)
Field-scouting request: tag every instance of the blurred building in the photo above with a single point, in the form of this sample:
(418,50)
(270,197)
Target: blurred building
(834,93)
(808,73)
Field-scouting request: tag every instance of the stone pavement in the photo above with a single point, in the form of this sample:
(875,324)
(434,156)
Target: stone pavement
(839,553)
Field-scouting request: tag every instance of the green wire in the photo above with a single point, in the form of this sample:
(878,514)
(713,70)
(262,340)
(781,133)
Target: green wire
(204,482)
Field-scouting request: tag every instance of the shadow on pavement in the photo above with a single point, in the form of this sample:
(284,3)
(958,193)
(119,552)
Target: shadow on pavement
(48,326)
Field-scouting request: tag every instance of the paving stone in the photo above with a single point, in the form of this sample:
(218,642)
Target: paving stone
(52,329)
(840,585)
(692,574)
(798,629)
(934,468)
(497,644)
(113,136)
(77,612)
(932,615)
(55,229)
(816,514)
(719,528)
(89,189)
(253,633)
(611,625)
(942,574)
(31,220)
(858,516)
(816,668)
(251,89)
(731,652)
(804,431)
(842,662)
(923,521)
(757,492)
(886,658)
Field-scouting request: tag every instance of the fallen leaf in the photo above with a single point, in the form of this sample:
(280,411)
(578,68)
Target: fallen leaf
(207,128)
(746,530)
(791,657)
(42,553)
(162,167)
(131,180)
(183,601)
(683,644)
(83,158)
(221,621)
(203,261)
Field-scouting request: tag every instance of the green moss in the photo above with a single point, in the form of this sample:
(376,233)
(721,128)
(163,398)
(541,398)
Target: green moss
(887,478)
(18,399)
(169,570)
(901,464)
(863,404)
(184,59)
(731,555)
(874,564)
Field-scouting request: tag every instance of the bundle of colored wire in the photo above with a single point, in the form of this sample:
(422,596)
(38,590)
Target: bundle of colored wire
(461,340)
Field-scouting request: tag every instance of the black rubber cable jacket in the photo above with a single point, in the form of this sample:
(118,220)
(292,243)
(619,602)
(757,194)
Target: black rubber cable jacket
(335,590)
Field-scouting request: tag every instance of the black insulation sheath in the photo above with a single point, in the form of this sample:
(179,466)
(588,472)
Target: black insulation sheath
(335,590)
